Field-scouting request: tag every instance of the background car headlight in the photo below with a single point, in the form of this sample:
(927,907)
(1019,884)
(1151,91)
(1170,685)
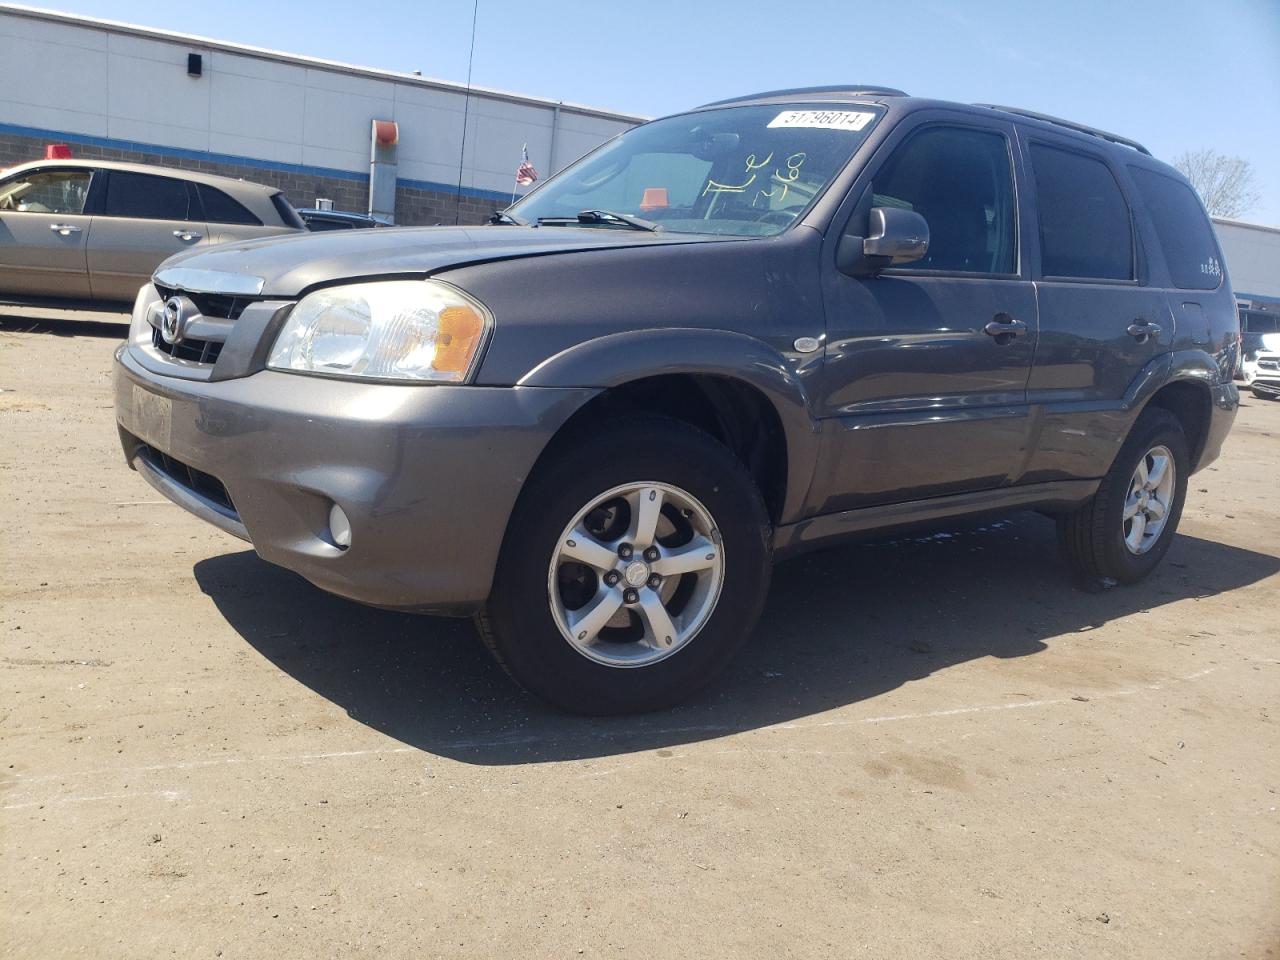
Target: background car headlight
(411,330)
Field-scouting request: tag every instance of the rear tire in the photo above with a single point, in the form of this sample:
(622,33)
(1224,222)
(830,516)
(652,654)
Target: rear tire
(577,514)
(1123,532)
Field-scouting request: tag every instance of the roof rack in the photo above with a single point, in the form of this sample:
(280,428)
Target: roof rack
(843,89)
(1079,127)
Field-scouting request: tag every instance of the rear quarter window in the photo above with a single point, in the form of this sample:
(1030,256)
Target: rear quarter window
(1185,235)
(220,208)
(288,215)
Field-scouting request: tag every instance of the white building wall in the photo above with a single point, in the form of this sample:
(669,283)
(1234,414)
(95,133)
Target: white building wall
(72,76)
(1252,254)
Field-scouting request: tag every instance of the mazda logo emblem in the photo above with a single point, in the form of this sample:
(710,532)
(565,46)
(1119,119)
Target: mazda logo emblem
(173,323)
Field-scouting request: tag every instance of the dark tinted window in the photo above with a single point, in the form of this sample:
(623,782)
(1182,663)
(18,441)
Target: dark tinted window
(960,181)
(146,197)
(317,224)
(219,208)
(1084,221)
(1185,234)
(1259,323)
(288,215)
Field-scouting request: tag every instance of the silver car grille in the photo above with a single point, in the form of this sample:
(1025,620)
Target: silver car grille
(216,337)
(195,350)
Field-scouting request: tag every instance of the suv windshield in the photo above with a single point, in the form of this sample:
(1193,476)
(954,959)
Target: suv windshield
(738,171)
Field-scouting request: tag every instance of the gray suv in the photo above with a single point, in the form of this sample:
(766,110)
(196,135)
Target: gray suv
(96,229)
(724,337)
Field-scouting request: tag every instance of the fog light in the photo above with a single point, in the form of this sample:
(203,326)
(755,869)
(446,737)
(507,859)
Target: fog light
(339,527)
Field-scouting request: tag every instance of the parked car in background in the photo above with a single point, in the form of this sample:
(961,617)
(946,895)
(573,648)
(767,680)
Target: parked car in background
(1254,325)
(1261,371)
(96,230)
(320,220)
(724,337)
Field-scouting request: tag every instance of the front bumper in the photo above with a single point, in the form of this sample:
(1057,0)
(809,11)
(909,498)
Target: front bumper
(427,474)
(1267,374)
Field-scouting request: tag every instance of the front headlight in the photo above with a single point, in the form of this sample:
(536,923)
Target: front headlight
(409,330)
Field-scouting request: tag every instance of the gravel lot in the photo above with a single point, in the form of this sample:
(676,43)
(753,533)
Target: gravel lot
(934,746)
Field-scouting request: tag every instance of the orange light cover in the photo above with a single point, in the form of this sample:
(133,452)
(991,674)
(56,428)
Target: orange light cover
(460,330)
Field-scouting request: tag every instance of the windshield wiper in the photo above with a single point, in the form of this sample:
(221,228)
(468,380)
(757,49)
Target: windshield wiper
(502,217)
(606,216)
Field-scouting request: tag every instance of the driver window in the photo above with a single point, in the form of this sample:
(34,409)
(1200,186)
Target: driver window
(46,191)
(961,182)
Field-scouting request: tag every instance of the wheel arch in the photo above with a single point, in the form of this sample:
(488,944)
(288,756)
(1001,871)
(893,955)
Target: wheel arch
(726,384)
(1182,383)
(1190,401)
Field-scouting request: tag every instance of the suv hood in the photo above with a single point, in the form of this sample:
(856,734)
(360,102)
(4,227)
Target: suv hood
(289,265)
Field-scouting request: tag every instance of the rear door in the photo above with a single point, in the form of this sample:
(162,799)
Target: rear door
(924,395)
(44,226)
(143,220)
(1101,322)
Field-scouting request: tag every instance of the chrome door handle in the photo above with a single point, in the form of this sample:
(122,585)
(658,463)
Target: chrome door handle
(64,229)
(1141,329)
(186,235)
(1004,326)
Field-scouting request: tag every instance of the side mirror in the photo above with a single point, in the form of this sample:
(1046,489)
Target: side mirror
(894,236)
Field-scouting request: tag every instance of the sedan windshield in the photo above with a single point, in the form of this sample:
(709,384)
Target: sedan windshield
(738,171)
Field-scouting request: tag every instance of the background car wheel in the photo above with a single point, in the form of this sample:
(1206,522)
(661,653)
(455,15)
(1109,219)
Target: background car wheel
(1262,395)
(635,564)
(1123,532)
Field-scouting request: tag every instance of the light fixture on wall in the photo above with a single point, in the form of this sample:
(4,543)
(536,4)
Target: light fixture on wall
(195,64)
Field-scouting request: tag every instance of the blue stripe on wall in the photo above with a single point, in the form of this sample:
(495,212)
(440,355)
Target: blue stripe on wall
(107,143)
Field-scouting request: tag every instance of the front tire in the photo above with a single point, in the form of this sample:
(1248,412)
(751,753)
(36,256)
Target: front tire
(1124,531)
(636,563)
(1263,395)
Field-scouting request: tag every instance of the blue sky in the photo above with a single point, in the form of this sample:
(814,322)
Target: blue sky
(1173,74)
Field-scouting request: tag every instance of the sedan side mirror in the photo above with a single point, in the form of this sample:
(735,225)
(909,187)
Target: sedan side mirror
(894,236)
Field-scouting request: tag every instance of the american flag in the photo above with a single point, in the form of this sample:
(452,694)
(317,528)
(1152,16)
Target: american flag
(525,174)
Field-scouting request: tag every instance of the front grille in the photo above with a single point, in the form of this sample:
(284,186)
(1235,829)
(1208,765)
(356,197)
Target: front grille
(218,305)
(197,481)
(1269,364)
(200,351)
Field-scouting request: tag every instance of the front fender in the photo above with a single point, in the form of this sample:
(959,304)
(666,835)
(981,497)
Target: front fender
(619,358)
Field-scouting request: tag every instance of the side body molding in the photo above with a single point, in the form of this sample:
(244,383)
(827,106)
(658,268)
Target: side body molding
(620,358)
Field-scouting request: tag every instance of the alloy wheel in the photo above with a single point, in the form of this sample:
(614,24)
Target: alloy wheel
(636,574)
(1150,500)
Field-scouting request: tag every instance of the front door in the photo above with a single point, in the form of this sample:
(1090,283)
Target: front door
(43,232)
(143,220)
(923,390)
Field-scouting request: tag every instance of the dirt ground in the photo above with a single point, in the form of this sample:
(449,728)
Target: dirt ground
(934,745)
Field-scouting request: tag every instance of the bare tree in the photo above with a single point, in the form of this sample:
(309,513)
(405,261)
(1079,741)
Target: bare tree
(1225,184)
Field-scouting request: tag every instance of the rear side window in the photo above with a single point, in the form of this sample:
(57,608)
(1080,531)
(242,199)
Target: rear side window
(220,208)
(146,197)
(1085,230)
(1186,237)
(961,182)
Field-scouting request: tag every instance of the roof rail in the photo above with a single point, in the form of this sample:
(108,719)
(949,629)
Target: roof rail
(1079,127)
(851,90)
